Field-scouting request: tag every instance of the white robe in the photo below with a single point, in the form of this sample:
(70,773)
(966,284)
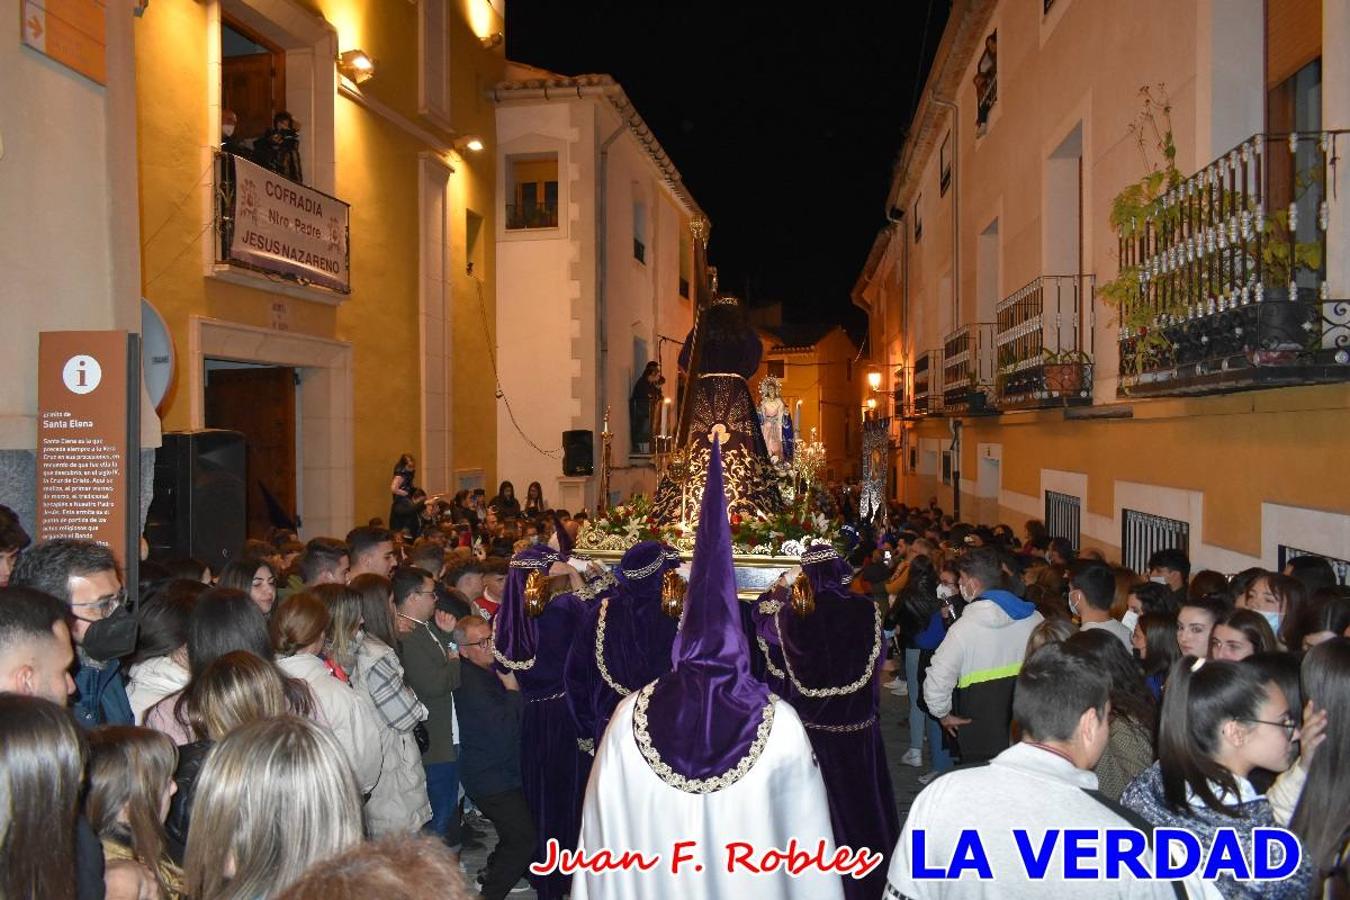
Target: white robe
(629,808)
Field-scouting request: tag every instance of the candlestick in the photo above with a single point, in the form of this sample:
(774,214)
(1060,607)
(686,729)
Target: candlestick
(797,419)
(665,416)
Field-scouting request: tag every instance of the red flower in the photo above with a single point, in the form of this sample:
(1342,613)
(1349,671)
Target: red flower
(735,518)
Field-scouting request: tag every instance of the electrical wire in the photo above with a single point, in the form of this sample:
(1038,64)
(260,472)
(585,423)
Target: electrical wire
(497,379)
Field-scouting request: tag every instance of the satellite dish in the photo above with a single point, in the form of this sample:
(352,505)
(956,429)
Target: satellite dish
(157,362)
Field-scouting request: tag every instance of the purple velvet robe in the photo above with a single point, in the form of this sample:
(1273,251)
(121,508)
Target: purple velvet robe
(830,648)
(766,652)
(553,769)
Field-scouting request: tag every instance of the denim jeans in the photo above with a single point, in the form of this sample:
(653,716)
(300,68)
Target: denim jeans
(916,715)
(443,792)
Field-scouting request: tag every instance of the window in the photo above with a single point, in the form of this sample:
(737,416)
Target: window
(946,467)
(777,367)
(918,220)
(986,82)
(252,81)
(433,74)
(532,191)
(1063,516)
(640,231)
(686,262)
(945,165)
(1143,534)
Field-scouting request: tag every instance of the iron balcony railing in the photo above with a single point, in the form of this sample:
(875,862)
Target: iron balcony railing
(968,368)
(1045,339)
(531,215)
(927,393)
(1231,270)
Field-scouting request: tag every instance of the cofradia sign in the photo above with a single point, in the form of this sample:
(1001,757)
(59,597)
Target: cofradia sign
(281,226)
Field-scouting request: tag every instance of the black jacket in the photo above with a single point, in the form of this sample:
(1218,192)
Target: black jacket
(489,724)
(191,758)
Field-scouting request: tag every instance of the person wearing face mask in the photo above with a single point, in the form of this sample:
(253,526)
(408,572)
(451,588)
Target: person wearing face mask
(83,574)
(1171,568)
(1220,721)
(1092,588)
(969,683)
(1278,599)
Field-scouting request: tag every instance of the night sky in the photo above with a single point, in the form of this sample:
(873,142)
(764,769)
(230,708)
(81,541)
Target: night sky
(784,121)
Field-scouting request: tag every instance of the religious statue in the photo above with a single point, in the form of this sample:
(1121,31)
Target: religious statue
(774,420)
(724,411)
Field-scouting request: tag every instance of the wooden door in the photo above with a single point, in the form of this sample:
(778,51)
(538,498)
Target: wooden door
(254,87)
(261,404)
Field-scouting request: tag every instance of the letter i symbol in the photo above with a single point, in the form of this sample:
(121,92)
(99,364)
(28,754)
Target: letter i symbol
(80,368)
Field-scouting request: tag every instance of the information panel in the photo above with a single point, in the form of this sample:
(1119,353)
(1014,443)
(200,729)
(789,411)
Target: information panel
(85,465)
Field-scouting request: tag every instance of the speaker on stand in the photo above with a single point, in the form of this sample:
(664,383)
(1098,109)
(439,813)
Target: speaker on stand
(199,507)
(578,453)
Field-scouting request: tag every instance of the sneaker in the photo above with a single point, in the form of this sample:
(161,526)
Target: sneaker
(912,758)
(927,777)
(521,887)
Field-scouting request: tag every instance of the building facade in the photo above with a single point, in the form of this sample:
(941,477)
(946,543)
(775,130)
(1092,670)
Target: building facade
(330,380)
(1175,374)
(596,253)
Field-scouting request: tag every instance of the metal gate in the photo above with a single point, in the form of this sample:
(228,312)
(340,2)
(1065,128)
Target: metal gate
(1143,534)
(1063,516)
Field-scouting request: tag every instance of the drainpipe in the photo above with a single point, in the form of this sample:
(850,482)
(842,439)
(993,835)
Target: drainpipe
(901,230)
(956,282)
(601,276)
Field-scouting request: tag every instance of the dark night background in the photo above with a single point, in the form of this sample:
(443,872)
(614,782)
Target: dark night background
(784,121)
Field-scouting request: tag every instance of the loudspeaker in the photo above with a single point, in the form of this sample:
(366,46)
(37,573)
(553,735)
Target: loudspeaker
(199,507)
(578,453)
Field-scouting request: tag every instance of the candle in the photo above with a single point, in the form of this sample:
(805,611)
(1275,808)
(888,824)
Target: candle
(797,419)
(665,416)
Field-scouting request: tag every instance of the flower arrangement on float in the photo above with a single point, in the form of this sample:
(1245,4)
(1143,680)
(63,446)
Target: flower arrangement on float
(780,534)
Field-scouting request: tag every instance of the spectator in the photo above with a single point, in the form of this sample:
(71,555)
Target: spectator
(1061,703)
(372,550)
(188,569)
(1092,590)
(494,587)
(326,561)
(1037,537)
(267,552)
(46,848)
(1239,633)
(275,797)
(255,577)
(84,576)
(1207,581)
(433,672)
(390,869)
(428,555)
(299,631)
(1220,720)
(1240,583)
(1155,644)
(1150,596)
(535,505)
(1172,569)
(1326,617)
(1279,598)
(1322,818)
(1313,572)
(35,648)
(505,504)
(1195,624)
(1133,716)
(160,665)
(1060,553)
(13,540)
(1121,608)
(491,708)
(278,148)
(224,620)
(130,786)
(233,690)
(1050,631)
(398,803)
(970,681)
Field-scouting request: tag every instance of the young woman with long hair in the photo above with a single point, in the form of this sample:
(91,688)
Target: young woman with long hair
(160,665)
(398,803)
(275,797)
(1220,721)
(42,757)
(255,577)
(233,690)
(1322,818)
(130,786)
(1134,715)
(534,500)
(1238,634)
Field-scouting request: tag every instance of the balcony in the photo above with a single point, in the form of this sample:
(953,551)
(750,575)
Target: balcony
(279,229)
(968,369)
(927,393)
(1230,266)
(1045,344)
(530,215)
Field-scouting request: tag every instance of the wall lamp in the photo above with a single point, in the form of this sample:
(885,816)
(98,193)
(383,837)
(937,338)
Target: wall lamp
(471,142)
(492,40)
(357,65)
(874,380)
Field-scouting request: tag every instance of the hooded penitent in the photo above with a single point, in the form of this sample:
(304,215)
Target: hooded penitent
(515,633)
(706,721)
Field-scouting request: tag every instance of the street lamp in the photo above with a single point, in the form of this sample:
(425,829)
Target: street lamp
(874,380)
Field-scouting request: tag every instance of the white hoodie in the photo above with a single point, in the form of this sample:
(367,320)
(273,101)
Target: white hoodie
(153,680)
(349,713)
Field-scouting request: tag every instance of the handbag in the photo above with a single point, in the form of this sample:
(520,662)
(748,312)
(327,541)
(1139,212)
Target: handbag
(422,736)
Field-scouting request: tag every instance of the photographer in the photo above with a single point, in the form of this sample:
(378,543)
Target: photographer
(279,147)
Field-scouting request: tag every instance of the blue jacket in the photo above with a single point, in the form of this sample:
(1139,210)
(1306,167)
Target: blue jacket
(100,695)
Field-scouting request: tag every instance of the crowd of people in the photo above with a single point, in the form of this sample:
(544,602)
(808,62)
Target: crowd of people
(342,716)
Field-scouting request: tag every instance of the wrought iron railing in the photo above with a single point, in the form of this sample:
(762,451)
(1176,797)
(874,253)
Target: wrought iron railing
(927,393)
(531,215)
(1143,534)
(1341,567)
(1231,267)
(1045,340)
(968,367)
(1064,516)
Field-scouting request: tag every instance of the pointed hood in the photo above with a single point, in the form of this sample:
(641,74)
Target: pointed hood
(702,726)
(515,634)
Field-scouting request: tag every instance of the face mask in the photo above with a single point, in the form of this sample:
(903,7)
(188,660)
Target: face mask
(1157,579)
(968,595)
(112,637)
(946,591)
(1073,607)
(1274,619)
(227,130)
(1130,619)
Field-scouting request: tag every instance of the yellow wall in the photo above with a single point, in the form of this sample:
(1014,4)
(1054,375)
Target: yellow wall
(820,378)
(377,173)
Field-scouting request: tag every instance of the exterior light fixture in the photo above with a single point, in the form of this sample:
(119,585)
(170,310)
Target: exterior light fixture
(874,380)
(490,41)
(471,142)
(357,65)
(871,403)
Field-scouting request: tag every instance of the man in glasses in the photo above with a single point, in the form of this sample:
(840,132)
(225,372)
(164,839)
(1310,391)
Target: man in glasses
(83,575)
